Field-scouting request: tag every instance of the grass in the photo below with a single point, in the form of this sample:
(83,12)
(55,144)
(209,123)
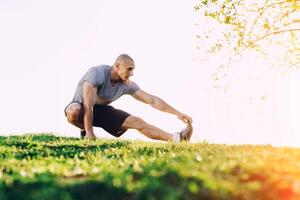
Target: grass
(50,167)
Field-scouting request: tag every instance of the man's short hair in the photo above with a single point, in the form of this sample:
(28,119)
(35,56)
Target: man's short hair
(124,58)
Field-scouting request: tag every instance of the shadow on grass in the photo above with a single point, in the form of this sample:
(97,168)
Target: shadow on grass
(51,190)
(168,186)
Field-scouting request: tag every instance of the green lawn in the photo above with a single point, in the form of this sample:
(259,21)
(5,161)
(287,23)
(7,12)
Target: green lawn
(49,167)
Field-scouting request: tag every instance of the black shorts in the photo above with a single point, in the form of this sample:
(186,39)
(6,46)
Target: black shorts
(108,118)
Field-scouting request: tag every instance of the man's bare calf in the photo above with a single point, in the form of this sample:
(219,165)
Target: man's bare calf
(146,129)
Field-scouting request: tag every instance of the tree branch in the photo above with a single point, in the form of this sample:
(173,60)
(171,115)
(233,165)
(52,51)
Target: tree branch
(281,2)
(266,35)
(260,14)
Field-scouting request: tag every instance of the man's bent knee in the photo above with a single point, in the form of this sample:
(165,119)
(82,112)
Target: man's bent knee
(133,122)
(73,113)
(73,117)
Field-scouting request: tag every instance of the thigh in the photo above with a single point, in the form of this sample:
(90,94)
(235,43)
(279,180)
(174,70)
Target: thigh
(110,119)
(133,122)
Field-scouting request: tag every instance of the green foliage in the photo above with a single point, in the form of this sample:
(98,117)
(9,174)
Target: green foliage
(50,167)
(270,27)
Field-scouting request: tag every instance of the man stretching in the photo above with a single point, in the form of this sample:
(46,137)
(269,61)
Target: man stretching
(102,85)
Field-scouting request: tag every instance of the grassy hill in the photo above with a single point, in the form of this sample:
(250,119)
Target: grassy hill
(50,167)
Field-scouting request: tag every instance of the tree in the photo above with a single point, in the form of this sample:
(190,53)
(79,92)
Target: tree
(259,25)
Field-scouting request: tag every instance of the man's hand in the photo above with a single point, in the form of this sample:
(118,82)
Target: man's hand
(90,136)
(185,118)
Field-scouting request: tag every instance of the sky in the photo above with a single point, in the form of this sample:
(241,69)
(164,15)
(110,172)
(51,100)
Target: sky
(46,46)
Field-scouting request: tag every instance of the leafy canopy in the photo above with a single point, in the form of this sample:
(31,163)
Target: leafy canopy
(270,27)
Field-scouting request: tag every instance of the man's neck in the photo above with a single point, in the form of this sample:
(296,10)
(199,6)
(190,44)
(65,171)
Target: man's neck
(114,77)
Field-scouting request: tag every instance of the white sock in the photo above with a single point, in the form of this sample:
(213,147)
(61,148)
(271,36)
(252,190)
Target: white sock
(176,138)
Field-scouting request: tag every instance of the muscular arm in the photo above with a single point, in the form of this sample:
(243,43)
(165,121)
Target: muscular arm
(89,96)
(159,104)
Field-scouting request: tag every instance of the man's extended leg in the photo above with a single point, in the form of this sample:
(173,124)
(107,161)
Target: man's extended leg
(74,116)
(153,132)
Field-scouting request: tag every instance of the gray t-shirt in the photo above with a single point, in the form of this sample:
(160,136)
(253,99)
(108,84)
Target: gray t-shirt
(99,76)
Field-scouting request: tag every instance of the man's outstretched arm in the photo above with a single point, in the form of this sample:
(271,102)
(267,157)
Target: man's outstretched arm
(89,95)
(160,104)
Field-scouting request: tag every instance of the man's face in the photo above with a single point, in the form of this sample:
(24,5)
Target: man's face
(125,70)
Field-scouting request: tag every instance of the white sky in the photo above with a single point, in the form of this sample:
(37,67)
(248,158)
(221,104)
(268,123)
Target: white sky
(46,46)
